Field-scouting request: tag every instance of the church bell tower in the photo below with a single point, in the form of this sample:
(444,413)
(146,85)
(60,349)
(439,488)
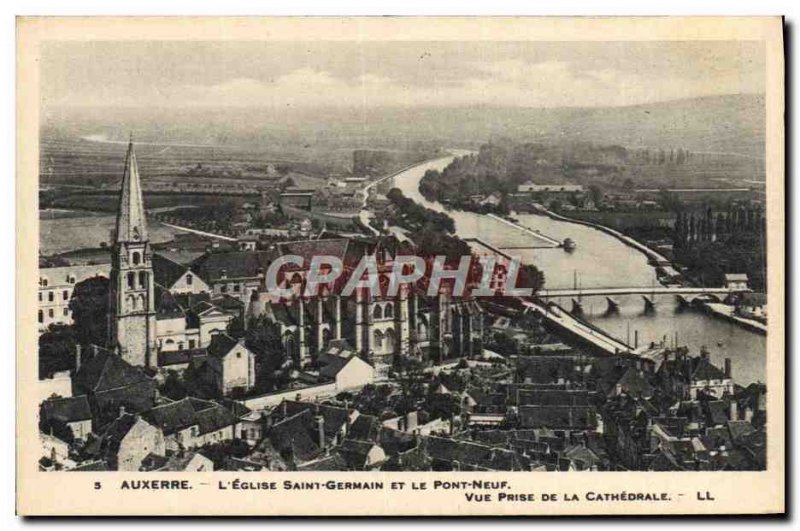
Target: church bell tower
(132,326)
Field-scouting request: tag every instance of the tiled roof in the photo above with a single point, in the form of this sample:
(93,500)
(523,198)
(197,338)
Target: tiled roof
(365,428)
(473,456)
(555,397)
(335,417)
(106,371)
(307,249)
(179,357)
(558,417)
(395,441)
(165,271)
(71,409)
(634,383)
(705,370)
(176,416)
(293,434)
(355,453)
(334,462)
(116,432)
(235,264)
(220,345)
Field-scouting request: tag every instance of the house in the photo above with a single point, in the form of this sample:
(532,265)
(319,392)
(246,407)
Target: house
(361,455)
(294,438)
(111,383)
(532,187)
(736,281)
(191,422)
(189,321)
(340,363)
(561,419)
(634,384)
(128,441)
(56,285)
(73,412)
(493,199)
(687,377)
(333,421)
(180,462)
(230,365)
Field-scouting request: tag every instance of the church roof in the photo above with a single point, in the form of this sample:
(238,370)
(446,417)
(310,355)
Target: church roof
(131,221)
(165,271)
(235,264)
(107,371)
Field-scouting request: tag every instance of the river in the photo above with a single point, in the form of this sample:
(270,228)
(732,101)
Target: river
(601,260)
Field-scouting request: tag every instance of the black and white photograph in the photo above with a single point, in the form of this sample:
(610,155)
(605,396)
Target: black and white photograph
(466,255)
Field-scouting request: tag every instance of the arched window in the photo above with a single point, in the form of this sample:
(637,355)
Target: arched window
(142,279)
(50,313)
(65,295)
(326,337)
(136,258)
(377,339)
(189,279)
(389,341)
(43,282)
(131,279)
(388,312)
(141,303)
(377,312)
(422,331)
(132,302)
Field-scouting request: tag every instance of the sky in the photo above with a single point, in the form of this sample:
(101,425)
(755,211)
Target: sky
(151,74)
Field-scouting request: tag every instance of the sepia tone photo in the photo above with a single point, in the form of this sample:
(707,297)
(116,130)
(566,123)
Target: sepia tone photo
(431,253)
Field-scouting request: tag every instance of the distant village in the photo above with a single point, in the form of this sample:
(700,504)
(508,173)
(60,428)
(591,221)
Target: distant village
(174,357)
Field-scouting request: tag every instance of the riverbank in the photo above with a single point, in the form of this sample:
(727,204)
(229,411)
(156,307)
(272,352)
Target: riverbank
(652,256)
(726,312)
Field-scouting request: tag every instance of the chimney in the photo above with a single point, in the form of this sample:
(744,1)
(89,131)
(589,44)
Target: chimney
(320,422)
(748,414)
(734,411)
(77,357)
(728,371)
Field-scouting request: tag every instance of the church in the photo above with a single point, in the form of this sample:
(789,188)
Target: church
(162,313)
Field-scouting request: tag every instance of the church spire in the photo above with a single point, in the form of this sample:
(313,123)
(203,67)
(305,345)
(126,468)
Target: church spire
(131,222)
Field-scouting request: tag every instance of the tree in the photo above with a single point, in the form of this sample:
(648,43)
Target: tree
(173,387)
(597,194)
(219,452)
(530,276)
(89,306)
(56,350)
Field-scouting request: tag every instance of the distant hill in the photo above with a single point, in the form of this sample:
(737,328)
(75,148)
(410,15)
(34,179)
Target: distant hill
(730,124)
